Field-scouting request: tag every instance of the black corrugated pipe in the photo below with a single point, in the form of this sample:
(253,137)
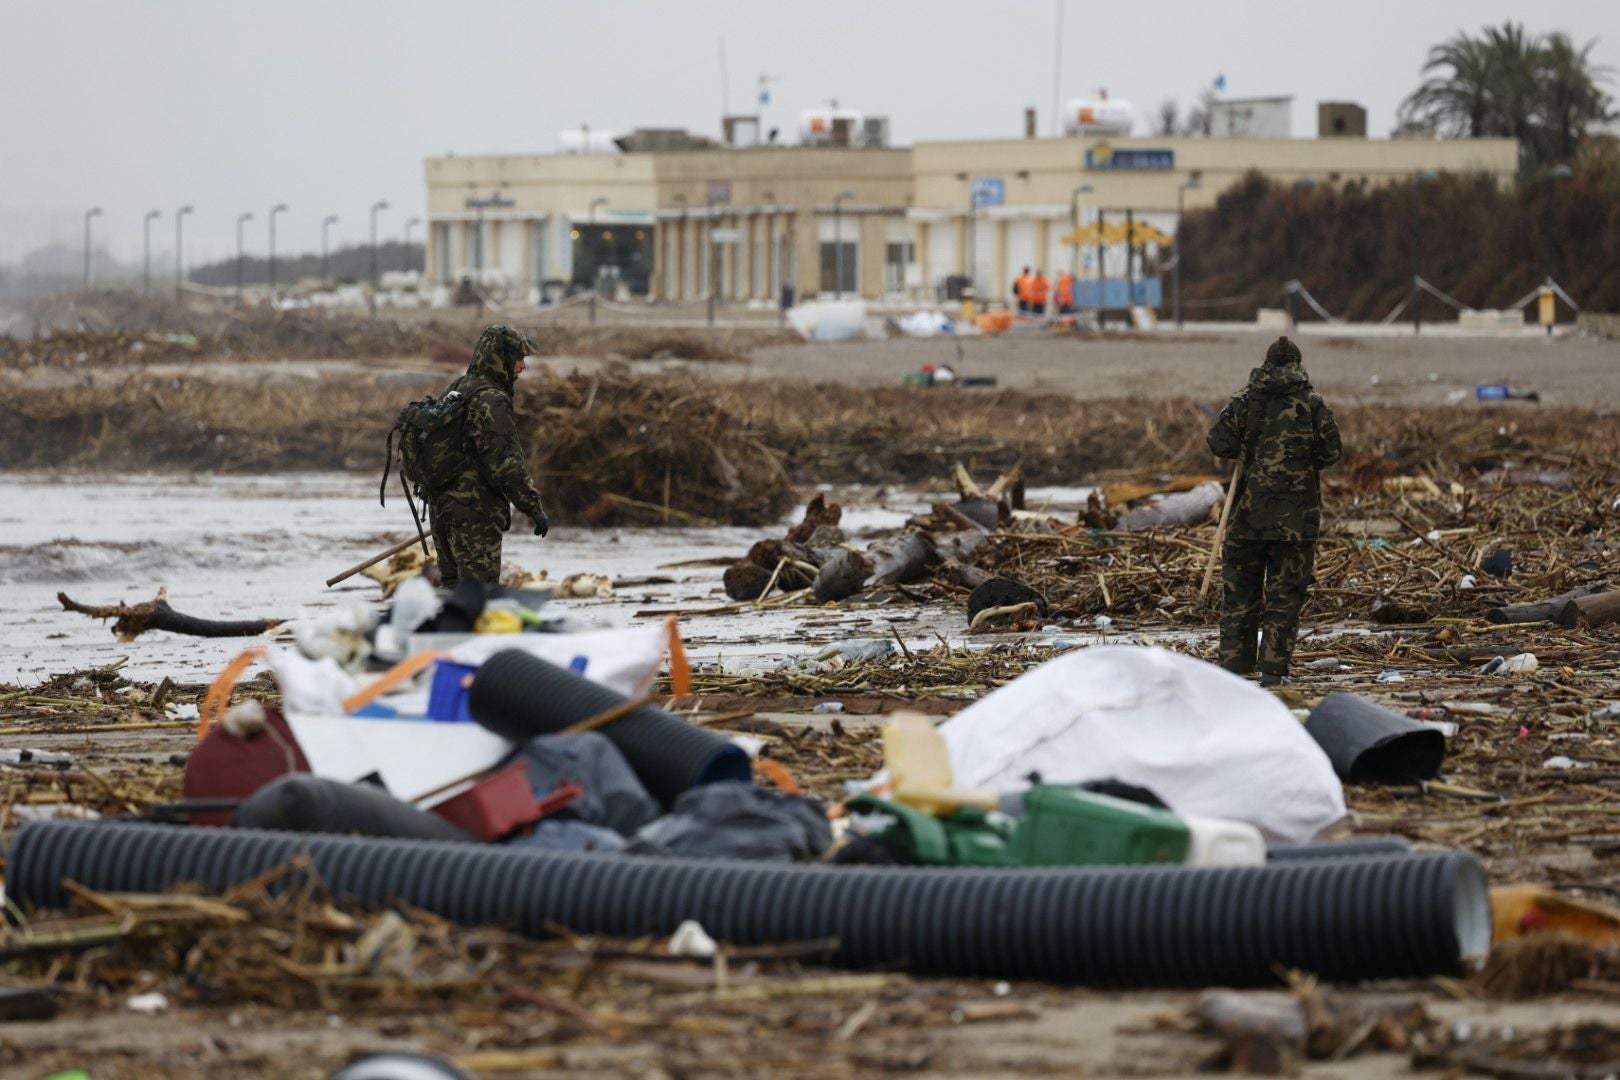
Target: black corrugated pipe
(1356,848)
(1341,919)
(299,802)
(520,697)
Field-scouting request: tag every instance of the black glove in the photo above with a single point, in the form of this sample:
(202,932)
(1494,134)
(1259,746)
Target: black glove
(542,524)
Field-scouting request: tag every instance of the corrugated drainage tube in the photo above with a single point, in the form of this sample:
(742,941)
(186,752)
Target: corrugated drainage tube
(520,697)
(1351,919)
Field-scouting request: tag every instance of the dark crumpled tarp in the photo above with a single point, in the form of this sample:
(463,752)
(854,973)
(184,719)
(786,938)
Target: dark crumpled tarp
(613,797)
(557,834)
(730,820)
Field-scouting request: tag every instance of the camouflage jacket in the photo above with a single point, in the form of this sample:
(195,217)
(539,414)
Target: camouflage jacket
(1293,439)
(495,473)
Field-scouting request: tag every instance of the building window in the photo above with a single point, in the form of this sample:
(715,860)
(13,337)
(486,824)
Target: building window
(840,265)
(898,256)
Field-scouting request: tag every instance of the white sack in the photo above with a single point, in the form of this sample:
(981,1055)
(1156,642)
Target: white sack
(1209,743)
(828,320)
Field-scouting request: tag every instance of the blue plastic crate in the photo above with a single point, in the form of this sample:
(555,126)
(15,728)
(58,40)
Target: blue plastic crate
(448,695)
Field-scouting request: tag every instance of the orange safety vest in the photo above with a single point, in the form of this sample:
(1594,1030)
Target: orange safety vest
(1065,289)
(1037,291)
(1021,287)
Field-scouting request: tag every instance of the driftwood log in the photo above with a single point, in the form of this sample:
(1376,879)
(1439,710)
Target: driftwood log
(1598,610)
(133,620)
(842,575)
(1541,610)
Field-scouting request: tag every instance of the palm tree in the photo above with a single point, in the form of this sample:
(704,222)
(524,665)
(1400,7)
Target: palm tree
(1571,97)
(1544,92)
(1459,102)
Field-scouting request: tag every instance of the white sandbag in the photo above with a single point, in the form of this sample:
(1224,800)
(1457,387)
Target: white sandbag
(1206,741)
(829,320)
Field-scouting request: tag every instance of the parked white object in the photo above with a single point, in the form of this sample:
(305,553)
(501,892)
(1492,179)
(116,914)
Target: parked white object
(1209,743)
(1214,842)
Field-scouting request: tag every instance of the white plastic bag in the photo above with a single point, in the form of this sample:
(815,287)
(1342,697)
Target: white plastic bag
(1207,742)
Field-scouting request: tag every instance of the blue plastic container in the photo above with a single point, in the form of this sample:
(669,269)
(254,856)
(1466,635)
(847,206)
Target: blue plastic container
(447,696)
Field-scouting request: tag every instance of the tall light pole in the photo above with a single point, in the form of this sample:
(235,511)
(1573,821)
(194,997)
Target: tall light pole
(274,210)
(331,219)
(405,256)
(972,232)
(241,219)
(93,212)
(838,240)
(1304,183)
(1558,173)
(1193,183)
(146,246)
(590,215)
(1416,299)
(381,204)
(680,271)
(179,250)
(1074,227)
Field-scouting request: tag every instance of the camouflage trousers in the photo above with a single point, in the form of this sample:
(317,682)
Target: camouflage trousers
(468,546)
(1263,588)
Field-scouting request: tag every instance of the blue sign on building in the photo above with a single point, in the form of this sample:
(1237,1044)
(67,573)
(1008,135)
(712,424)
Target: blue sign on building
(989,191)
(1103,156)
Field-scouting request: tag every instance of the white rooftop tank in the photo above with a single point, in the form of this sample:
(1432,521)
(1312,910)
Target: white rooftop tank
(831,126)
(1098,116)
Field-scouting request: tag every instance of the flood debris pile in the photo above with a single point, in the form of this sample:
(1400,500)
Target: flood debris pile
(614,449)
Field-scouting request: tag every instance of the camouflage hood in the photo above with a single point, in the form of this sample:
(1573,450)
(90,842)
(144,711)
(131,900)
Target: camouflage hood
(1279,380)
(496,355)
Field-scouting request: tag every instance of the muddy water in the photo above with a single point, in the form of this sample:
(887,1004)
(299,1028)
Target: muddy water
(244,547)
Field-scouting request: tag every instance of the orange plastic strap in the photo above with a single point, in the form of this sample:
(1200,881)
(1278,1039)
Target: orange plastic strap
(401,672)
(680,671)
(778,775)
(218,697)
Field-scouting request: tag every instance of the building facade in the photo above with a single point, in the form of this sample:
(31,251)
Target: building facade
(888,224)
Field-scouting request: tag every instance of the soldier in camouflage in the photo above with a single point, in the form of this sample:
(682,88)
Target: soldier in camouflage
(1284,434)
(470,514)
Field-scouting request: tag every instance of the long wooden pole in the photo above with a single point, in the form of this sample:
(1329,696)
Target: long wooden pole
(1220,530)
(375,559)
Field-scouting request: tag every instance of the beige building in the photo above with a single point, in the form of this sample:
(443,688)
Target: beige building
(895,224)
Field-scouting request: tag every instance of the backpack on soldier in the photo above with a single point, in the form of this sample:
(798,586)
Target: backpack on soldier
(430,437)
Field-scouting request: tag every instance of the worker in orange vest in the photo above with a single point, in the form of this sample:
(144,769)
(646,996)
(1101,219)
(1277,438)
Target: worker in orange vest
(1021,290)
(1065,293)
(1038,287)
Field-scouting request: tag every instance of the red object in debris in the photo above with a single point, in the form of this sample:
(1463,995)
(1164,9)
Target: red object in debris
(501,801)
(225,767)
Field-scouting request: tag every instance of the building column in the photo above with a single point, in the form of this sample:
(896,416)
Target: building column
(807,244)
(1000,262)
(963,224)
(874,234)
(923,228)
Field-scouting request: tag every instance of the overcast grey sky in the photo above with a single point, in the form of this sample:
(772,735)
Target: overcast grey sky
(329,105)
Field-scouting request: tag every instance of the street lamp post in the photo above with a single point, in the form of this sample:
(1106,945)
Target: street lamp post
(1557,173)
(596,275)
(1193,184)
(241,219)
(376,206)
(972,231)
(838,240)
(179,250)
(146,247)
(405,255)
(93,212)
(274,210)
(1416,299)
(326,276)
(1304,183)
(1074,227)
(680,242)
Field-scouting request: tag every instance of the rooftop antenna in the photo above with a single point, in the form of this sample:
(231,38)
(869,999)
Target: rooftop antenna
(725,83)
(1057,67)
